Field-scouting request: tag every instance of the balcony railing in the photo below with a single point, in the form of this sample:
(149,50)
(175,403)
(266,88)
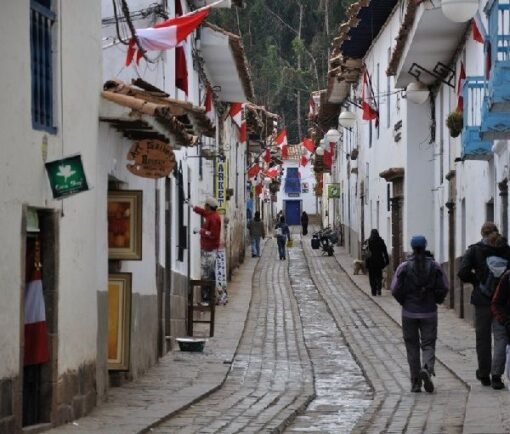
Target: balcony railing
(473,147)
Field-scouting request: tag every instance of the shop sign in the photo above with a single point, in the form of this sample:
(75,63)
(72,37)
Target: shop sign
(333,191)
(221,185)
(151,159)
(66,176)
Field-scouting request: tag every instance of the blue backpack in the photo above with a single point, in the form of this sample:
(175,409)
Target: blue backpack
(497,267)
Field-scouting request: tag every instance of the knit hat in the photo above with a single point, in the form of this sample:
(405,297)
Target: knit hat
(212,202)
(418,241)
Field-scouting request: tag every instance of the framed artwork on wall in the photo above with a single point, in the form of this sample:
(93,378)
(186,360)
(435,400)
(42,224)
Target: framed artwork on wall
(125,224)
(119,321)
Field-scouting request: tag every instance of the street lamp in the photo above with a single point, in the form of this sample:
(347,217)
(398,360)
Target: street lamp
(332,136)
(347,119)
(459,11)
(417,92)
(319,151)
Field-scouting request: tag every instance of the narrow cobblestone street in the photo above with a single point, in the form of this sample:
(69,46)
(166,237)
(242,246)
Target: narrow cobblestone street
(311,352)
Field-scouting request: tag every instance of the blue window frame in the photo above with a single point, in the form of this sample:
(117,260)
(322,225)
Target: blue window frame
(41,23)
(292,181)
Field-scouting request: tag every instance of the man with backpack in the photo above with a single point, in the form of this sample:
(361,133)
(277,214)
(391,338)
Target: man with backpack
(482,266)
(419,285)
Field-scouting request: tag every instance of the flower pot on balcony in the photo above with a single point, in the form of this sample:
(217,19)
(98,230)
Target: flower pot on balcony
(455,123)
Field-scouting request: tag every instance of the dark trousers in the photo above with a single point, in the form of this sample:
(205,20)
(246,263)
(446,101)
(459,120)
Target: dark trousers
(489,363)
(420,333)
(375,279)
(281,246)
(304,226)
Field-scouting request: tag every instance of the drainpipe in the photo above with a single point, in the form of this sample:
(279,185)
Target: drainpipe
(451,250)
(503,193)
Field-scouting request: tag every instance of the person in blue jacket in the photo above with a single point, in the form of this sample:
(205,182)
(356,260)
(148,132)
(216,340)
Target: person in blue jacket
(282,233)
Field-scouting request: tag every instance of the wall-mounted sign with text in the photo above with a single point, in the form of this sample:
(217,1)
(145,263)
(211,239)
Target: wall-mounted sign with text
(151,159)
(333,191)
(66,177)
(221,184)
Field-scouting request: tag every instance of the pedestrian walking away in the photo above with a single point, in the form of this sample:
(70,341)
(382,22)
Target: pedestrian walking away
(419,285)
(257,231)
(304,223)
(376,258)
(209,242)
(282,234)
(475,269)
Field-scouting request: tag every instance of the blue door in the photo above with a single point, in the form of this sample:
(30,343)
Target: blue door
(292,212)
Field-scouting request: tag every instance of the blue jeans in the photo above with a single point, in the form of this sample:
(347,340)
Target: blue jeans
(255,246)
(281,246)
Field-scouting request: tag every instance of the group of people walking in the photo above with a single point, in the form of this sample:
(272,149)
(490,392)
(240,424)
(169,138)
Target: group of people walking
(419,285)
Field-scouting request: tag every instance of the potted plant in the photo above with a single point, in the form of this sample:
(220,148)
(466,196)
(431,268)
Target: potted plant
(455,122)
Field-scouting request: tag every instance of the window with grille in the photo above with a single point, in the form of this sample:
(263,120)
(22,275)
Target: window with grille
(42,19)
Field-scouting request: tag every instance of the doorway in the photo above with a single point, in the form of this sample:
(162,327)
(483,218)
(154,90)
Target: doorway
(38,355)
(292,212)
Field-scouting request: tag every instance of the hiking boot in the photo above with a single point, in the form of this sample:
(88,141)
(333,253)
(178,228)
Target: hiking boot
(416,386)
(427,382)
(496,382)
(486,381)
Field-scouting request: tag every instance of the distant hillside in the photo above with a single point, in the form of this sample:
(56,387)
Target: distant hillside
(287,45)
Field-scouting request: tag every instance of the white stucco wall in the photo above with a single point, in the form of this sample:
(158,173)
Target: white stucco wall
(24,180)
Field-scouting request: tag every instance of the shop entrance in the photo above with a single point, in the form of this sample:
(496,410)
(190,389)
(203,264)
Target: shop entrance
(292,212)
(39,316)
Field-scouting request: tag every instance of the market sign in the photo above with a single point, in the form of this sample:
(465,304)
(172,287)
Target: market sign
(333,191)
(66,176)
(221,184)
(151,159)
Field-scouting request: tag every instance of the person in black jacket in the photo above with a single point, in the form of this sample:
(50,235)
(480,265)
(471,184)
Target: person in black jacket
(474,270)
(376,260)
(304,222)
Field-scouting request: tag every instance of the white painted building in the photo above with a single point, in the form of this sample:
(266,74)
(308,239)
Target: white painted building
(51,55)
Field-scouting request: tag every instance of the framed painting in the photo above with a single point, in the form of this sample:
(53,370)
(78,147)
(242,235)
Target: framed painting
(125,224)
(119,321)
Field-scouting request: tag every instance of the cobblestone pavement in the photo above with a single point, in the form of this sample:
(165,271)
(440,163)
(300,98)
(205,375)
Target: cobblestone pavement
(376,341)
(487,410)
(342,392)
(271,379)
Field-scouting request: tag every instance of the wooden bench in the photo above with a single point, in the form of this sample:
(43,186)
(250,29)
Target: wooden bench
(196,307)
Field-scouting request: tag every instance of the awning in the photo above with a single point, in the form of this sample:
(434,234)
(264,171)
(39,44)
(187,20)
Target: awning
(153,114)
(426,38)
(225,64)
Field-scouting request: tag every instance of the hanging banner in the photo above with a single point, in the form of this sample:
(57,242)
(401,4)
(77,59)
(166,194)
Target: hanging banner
(66,177)
(221,184)
(333,191)
(151,159)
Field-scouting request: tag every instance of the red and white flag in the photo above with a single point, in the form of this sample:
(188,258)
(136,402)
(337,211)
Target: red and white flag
(368,106)
(309,145)
(36,328)
(258,189)
(285,152)
(208,103)
(281,138)
(327,159)
(266,156)
(477,29)
(181,68)
(253,170)
(167,34)
(236,112)
(272,172)
(303,161)
(460,85)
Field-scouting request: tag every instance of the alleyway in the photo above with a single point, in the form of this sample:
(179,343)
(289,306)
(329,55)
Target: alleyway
(317,354)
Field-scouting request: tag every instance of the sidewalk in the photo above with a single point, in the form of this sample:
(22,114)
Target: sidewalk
(488,410)
(180,378)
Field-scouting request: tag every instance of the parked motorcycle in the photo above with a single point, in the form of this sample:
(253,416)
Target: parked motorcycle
(325,240)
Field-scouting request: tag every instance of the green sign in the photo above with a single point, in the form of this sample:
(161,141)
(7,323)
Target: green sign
(333,191)
(66,176)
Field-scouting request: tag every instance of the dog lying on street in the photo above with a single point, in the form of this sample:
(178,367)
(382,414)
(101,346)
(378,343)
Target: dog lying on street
(358,267)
